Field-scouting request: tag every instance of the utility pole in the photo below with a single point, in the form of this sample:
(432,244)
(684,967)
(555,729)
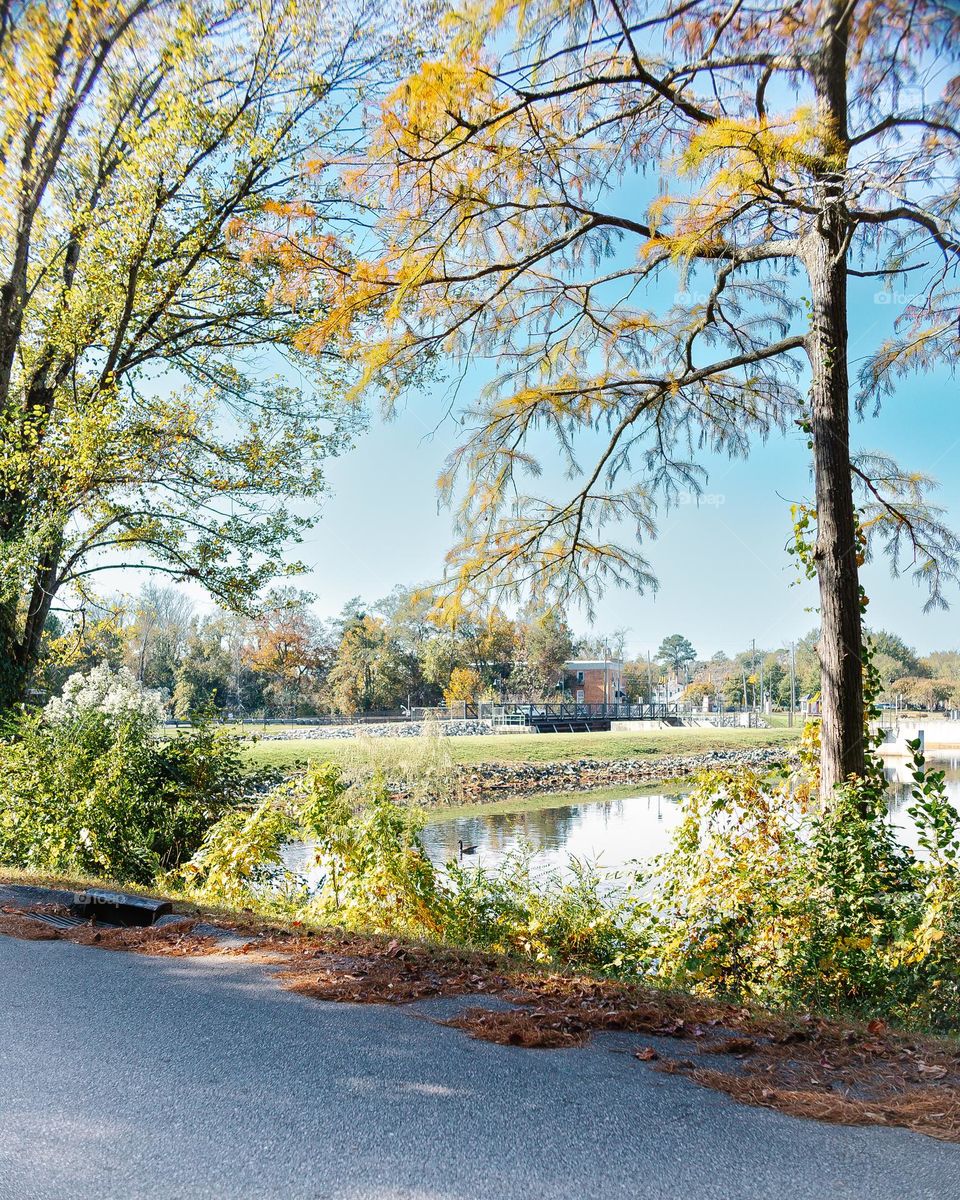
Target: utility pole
(237,689)
(793,686)
(753,644)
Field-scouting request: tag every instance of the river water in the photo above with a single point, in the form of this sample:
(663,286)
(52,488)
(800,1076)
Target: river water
(612,833)
(607,833)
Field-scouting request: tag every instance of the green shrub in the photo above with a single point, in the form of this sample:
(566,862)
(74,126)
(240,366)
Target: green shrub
(372,870)
(580,919)
(374,874)
(240,861)
(768,894)
(98,793)
(375,870)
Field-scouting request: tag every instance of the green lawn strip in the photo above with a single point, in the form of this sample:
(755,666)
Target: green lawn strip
(516,748)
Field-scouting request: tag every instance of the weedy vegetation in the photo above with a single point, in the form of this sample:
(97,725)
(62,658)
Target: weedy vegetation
(768,894)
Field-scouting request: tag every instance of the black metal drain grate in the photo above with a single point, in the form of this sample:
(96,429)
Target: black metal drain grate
(57,921)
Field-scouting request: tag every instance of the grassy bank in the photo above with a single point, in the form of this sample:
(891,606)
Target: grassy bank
(511,748)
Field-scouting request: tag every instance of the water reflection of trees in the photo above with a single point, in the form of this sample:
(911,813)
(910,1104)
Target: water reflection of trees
(899,776)
(545,828)
(552,829)
(549,829)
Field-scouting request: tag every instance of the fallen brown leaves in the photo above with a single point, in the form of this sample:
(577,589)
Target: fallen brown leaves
(533,1029)
(562,1010)
(934,1113)
(15,924)
(818,1069)
(174,939)
(849,1076)
(339,966)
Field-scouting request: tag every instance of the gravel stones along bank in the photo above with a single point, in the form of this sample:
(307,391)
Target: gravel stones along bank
(491,781)
(389,729)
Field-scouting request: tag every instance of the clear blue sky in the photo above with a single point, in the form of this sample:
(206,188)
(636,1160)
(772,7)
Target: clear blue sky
(724,574)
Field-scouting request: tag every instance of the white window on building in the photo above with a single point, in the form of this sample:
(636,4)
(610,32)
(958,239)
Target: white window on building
(580,690)
(580,677)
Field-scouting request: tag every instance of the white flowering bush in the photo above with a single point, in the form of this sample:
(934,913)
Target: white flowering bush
(113,694)
(90,788)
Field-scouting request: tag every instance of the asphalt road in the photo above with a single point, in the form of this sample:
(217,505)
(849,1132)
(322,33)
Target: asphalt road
(124,1077)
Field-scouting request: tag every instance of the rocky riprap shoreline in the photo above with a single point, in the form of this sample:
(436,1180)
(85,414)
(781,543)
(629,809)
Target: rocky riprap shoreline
(490,781)
(391,729)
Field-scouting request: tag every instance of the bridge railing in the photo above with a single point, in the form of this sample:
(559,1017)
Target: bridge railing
(533,712)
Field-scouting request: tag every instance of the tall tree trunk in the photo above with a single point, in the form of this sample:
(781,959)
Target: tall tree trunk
(840,645)
(836,553)
(13,680)
(21,630)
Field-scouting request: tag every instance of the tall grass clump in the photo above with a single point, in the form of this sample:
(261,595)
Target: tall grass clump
(421,769)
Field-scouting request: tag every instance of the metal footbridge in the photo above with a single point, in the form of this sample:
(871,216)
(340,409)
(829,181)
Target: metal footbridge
(589,718)
(581,718)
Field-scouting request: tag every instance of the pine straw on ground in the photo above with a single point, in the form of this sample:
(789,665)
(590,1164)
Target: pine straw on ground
(846,1073)
(176,939)
(340,966)
(15,924)
(818,1069)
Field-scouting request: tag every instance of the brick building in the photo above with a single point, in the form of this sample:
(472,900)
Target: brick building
(593,681)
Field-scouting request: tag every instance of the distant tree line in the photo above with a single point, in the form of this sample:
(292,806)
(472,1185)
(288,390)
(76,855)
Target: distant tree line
(287,661)
(395,653)
(755,676)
